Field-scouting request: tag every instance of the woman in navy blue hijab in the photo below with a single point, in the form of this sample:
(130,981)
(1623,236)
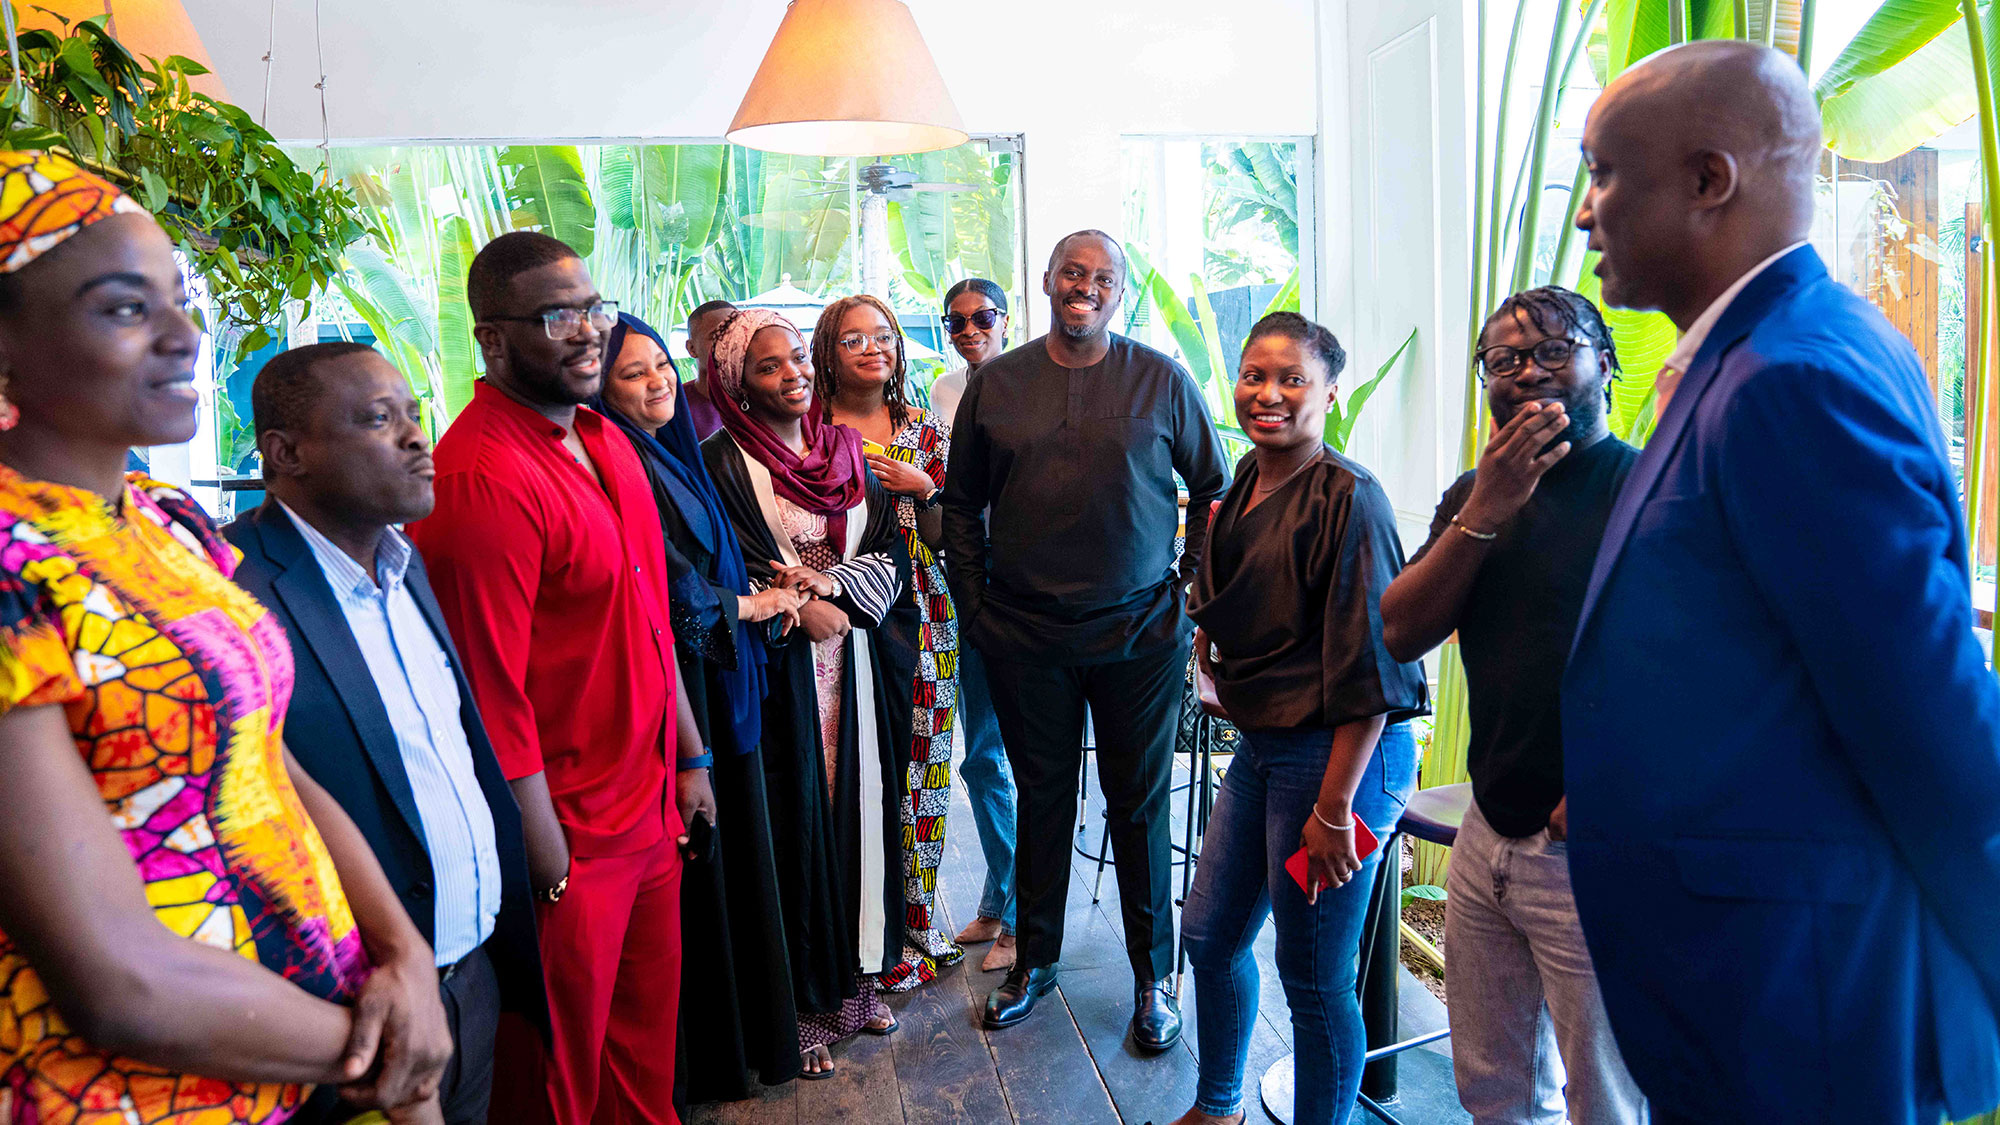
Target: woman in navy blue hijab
(737,1004)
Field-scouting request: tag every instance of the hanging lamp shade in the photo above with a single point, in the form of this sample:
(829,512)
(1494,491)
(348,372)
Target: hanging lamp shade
(847,78)
(147,28)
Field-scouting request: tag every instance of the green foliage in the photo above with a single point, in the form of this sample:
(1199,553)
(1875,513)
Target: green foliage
(1340,420)
(1422,892)
(253,226)
(548,191)
(1905,78)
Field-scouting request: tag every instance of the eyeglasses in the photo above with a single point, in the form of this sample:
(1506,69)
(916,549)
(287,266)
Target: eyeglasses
(855,343)
(1551,355)
(563,324)
(983,319)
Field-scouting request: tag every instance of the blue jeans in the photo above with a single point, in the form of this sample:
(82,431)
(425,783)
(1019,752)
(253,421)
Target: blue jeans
(1266,797)
(989,782)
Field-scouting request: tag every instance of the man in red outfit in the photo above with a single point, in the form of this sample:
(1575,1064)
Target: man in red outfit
(545,552)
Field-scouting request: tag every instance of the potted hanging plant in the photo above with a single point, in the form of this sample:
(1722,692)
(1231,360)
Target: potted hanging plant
(254,227)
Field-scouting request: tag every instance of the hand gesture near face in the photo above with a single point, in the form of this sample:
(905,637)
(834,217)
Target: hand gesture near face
(1512,465)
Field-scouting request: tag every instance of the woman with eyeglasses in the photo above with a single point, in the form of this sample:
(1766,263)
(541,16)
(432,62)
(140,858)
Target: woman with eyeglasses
(858,355)
(1507,565)
(1299,552)
(812,518)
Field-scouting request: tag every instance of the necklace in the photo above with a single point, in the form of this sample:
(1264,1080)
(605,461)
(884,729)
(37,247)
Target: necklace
(1266,489)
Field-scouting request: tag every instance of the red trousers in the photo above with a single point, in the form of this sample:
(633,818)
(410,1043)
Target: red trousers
(611,953)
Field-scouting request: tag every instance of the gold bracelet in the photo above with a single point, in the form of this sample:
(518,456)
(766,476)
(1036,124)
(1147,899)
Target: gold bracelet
(1482,536)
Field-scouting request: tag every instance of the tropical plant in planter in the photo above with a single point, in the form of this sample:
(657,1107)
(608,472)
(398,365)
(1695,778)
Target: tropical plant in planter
(255,229)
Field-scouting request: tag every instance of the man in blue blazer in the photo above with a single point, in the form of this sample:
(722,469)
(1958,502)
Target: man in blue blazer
(1783,744)
(381,714)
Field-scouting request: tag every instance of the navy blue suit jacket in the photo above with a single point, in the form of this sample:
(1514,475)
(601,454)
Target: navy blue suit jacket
(339,731)
(1781,742)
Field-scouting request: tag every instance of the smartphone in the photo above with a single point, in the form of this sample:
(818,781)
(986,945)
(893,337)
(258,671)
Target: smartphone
(701,838)
(1364,843)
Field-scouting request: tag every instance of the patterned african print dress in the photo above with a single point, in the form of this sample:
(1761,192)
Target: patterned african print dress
(926,443)
(175,683)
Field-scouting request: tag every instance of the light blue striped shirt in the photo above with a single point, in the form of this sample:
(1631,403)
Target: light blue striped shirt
(413,674)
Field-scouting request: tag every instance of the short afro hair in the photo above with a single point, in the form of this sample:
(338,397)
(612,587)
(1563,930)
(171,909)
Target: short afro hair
(285,391)
(504,259)
(1117,247)
(1309,335)
(706,308)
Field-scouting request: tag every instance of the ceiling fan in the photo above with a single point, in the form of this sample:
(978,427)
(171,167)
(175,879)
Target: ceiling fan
(879,183)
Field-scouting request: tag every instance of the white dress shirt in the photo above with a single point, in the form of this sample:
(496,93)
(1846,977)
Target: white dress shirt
(412,672)
(1678,361)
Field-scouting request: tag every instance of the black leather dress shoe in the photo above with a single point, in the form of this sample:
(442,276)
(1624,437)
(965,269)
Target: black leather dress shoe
(1015,998)
(1156,1015)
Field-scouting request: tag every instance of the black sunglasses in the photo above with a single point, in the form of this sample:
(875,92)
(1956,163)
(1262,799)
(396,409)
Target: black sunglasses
(983,319)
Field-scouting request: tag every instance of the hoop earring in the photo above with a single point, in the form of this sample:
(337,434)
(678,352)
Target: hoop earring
(744,403)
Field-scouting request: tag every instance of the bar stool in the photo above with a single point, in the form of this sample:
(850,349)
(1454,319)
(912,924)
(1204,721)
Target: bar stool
(1200,790)
(1433,815)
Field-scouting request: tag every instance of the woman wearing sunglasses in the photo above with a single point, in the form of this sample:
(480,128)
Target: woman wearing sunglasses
(858,353)
(975,319)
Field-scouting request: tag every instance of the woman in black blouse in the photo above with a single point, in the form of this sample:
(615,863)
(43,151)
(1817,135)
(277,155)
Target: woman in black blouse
(1299,553)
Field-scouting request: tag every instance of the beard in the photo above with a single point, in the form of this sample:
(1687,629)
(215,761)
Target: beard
(548,384)
(1079,331)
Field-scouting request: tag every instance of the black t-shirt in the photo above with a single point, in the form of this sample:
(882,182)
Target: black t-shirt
(1515,631)
(1059,503)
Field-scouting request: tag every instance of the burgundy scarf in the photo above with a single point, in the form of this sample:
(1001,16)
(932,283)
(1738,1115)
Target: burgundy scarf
(829,478)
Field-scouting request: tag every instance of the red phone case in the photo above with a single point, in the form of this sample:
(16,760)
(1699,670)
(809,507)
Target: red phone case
(1364,843)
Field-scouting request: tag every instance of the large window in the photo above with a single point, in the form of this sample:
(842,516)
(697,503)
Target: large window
(1214,227)
(663,228)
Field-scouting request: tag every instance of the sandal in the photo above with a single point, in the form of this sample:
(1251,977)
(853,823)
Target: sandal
(871,1029)
(825,1071)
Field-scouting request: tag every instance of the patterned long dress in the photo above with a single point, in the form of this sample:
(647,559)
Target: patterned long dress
(175,683)
(926,443)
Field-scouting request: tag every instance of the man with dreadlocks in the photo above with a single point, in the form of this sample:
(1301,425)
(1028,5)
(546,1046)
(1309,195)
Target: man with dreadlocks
(1506,566)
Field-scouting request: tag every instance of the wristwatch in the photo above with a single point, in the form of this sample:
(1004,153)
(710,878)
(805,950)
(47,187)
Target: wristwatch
(554,894)
(930,499)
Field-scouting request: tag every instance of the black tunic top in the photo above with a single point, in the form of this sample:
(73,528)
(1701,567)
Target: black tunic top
(1517,625)
(1074,562)
(1291,597)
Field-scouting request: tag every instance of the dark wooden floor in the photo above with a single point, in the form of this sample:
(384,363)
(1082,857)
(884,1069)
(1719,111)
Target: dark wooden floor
(1070,1063)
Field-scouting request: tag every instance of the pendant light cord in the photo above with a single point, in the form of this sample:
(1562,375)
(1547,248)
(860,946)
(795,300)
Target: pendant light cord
(270,48)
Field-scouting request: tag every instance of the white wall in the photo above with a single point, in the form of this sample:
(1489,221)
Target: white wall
(1070,76)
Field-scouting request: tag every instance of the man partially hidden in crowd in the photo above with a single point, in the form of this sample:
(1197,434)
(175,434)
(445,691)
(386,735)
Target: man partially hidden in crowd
(701,326)
(1059,529)
(1782,743)
(381,714)
(1506,566)
(546,550)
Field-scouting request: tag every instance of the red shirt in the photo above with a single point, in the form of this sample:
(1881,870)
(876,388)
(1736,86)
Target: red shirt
(557,596)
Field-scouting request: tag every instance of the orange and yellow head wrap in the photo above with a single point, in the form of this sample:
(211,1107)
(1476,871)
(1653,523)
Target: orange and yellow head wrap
(46,198)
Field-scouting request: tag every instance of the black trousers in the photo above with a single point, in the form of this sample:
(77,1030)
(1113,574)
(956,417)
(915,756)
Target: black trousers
(471,997)
(1135,705)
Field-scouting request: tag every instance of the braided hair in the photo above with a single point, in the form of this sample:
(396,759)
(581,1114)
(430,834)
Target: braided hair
(1556,311)
(825,348)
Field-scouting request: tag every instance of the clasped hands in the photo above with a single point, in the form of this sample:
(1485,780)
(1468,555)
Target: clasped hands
(822,619)
(400,1042)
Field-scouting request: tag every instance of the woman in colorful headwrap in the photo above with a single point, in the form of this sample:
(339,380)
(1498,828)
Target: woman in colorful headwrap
(859,357)
(736,982)
(811,517)
(187,922)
